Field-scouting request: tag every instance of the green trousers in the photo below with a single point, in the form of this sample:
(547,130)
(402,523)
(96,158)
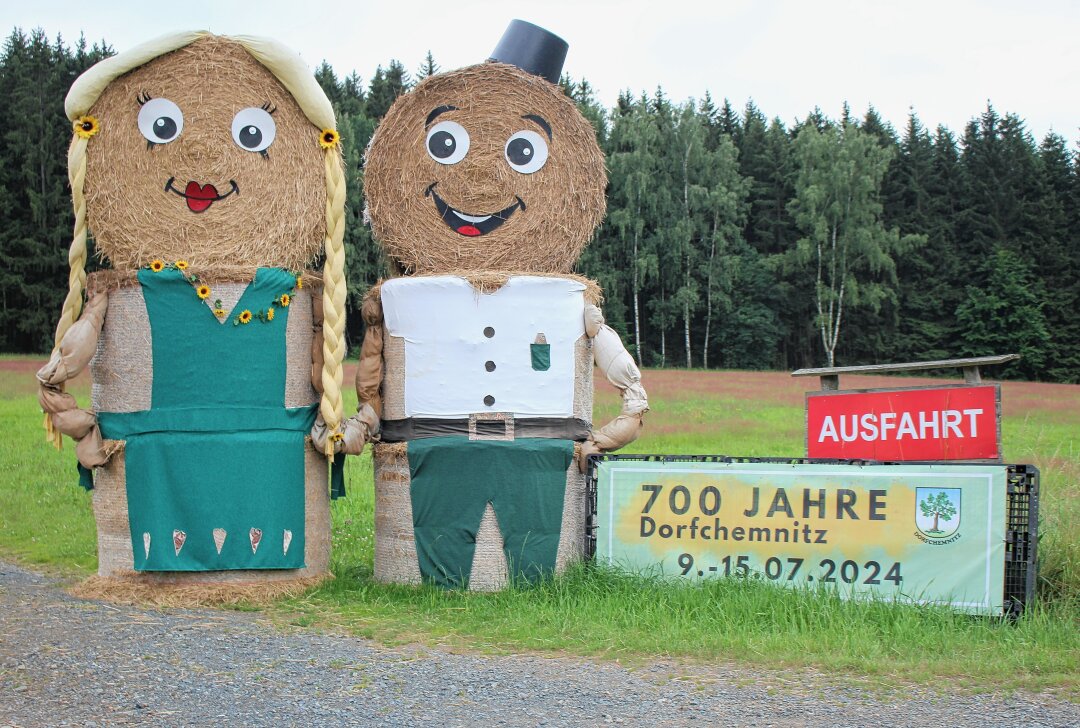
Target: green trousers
(453,480)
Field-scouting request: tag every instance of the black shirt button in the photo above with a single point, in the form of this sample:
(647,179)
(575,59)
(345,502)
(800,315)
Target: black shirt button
(489,332)
(489,400)
(489,365)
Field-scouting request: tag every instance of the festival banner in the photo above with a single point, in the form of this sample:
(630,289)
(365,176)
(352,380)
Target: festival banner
(960,422)
(913,533)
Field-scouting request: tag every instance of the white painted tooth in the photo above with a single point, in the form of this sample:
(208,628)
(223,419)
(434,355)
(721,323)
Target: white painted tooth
(472,218)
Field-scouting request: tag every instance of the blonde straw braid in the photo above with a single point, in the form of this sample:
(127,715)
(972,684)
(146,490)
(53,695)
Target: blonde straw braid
(73,303)
(334,290)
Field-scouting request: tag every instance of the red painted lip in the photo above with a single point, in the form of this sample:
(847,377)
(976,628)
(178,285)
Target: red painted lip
(200,197)
(469,230)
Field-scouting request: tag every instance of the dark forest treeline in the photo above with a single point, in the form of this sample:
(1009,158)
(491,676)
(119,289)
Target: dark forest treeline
(732,240)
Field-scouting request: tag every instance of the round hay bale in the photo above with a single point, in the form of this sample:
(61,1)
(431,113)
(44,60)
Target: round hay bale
(542,218)
(122,377)
(395,542)
(133,187)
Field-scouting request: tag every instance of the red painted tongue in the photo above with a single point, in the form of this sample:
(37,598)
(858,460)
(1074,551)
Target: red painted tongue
(469,230)
(200,197)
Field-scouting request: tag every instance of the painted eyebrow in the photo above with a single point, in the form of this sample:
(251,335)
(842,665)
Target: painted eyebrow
(539,121)
(435,113)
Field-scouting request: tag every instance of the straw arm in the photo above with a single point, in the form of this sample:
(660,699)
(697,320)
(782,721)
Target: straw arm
(68,359)
(618,366)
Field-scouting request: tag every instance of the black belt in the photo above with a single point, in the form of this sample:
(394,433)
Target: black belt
(486,426)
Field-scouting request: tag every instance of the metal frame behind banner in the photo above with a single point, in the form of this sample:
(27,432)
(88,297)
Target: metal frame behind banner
(1021,513)
(1021,537)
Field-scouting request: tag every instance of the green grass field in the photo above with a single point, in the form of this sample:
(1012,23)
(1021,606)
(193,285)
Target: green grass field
(45,520)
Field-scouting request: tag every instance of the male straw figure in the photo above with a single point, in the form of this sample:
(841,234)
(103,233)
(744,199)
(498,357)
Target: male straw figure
(483,185)
(207,169)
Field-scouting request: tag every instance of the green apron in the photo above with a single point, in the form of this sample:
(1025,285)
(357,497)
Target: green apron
(215,467)
(452,481)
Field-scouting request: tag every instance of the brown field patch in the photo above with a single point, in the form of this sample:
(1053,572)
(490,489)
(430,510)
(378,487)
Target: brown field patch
(1017,398)
(672,385)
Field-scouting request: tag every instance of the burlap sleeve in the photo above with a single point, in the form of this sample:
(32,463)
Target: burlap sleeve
(356,431)
(618,366)
(316,339)
(78,345)
(369,371)
(71,357)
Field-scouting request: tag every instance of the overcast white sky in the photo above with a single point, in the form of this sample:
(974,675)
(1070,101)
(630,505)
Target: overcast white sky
(944,59)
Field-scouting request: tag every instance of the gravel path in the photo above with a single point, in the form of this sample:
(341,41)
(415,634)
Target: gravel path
(66,662)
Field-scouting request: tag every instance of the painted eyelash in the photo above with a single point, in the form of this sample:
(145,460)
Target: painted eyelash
(268,108)
(265,154)
(143,97)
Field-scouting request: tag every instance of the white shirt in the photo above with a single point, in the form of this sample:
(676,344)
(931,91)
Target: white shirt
(468,352)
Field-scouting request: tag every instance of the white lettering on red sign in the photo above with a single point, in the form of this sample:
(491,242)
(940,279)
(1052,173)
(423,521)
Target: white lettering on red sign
(922,425)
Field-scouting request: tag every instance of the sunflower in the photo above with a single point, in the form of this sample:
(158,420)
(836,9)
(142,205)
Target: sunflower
(270,314)
(299,282)
(244,317)
(285,300)
(219,312)
(181,265)
(86,126)
(157,265)
(329,138)
(202,291)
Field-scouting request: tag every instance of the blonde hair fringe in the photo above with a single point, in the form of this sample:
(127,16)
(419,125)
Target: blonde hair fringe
(334,291)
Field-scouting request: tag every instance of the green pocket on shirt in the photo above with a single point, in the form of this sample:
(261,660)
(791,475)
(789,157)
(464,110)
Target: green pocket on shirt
(541,356)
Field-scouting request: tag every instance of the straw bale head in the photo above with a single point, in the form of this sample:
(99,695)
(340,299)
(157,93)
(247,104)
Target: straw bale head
(204,156)
(485,168)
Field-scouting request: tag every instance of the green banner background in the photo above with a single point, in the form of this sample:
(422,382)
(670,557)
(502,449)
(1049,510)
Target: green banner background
(919,533)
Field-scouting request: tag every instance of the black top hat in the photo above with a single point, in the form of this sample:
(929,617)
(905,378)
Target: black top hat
(532,49)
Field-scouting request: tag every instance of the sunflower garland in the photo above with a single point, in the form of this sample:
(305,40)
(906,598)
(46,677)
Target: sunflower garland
(203,291)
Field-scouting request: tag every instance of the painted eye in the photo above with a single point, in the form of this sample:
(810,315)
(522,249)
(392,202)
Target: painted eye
(447,142)
(160,121)
(526,152)
(253,129)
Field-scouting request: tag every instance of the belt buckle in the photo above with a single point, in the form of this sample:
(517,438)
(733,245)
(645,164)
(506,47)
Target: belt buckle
(478,421)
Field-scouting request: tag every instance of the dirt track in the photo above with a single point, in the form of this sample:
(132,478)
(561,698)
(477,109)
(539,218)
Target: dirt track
(65,662)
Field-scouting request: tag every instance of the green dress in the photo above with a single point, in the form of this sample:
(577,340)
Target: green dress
(215,467)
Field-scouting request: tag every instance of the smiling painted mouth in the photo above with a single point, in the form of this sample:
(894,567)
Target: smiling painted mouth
(471,225)
(200,197)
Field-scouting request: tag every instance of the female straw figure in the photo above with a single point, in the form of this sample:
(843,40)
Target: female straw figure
(208,171)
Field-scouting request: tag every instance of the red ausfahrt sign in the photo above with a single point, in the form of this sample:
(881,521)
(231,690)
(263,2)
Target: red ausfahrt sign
(933,423)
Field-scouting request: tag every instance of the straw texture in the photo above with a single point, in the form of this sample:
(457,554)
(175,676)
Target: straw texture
(123,375)
(115,560)
(136,220)
(563,201)
(395,542)
(395,545)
